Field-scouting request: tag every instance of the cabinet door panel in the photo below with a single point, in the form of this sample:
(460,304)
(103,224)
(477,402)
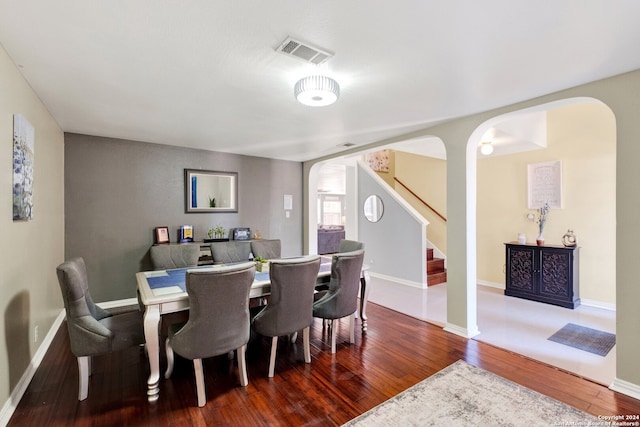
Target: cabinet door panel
(521,269)
(556,275)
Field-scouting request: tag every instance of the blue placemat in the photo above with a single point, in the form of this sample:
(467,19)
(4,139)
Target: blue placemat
(177,277)
(260,276)
(172,278)
(325,267)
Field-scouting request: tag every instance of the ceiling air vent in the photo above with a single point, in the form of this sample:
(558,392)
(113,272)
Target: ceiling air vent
(303,51)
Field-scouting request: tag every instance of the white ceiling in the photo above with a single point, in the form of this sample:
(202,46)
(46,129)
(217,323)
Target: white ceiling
(204,73)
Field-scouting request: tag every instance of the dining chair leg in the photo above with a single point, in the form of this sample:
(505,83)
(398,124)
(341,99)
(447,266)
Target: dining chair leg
(272,358)
(84,369)
(202,394)
(333,335)
(294,337)
(242,366)
(306,345)
(352,328)
(170,359)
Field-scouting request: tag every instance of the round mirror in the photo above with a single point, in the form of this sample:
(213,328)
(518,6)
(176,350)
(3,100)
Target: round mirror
(373,208)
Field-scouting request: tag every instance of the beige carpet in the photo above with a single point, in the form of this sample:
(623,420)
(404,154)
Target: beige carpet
(464,395)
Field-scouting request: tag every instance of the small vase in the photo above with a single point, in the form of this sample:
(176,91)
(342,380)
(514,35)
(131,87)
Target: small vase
(540,240)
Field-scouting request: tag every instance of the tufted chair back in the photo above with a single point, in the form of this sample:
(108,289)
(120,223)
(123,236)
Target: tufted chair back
(267,249)
(350,245)
(165,257)
(228,252)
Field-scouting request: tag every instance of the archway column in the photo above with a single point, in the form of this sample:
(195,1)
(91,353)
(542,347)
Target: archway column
(462,316)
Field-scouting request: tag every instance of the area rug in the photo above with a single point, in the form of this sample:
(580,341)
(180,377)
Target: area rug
(464,395)
(583,338)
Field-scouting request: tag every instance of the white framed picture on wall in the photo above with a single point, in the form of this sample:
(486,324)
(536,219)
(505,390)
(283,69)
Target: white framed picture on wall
(545,184)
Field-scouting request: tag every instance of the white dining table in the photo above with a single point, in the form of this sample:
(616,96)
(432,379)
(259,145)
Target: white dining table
(163,292)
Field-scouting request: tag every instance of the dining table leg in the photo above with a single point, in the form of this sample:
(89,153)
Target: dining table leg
(151,335)
(365,282)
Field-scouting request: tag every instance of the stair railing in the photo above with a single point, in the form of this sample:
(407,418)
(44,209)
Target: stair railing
(420,199)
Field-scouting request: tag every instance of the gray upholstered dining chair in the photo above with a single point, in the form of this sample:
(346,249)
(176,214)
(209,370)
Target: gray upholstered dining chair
(290,305)
(218,320)
(228,252)
(341,299)
(344,246)
(267,248)
(166,256)
(350,245)
(93,330)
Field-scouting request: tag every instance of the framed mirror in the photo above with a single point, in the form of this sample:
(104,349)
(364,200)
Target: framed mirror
(210,191)
(373,208)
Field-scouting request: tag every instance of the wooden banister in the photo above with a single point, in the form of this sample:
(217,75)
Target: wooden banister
(419,198)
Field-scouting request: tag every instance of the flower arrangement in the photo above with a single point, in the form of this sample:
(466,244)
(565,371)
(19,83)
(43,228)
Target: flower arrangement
(219,232)
(543,212)
(262,265)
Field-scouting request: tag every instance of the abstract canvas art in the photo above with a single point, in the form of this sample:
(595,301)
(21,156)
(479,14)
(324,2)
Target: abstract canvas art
(23,155)
(378,161)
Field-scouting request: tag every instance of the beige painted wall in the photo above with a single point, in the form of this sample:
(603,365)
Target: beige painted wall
(582,136)
(30,250)
(426,177)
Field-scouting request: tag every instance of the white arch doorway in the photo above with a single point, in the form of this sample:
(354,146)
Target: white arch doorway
(581,135)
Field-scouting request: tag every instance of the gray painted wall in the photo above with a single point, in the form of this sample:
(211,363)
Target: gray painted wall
(117,192)
(395,246)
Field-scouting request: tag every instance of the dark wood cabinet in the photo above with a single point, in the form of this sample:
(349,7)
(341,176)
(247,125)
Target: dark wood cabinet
(543,273)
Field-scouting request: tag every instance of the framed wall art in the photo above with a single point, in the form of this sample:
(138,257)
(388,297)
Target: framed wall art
(23,156)
(210,191)
(545,184)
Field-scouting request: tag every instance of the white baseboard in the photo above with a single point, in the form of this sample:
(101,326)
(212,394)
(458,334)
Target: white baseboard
(400,281)
(14,399)
(12,403)
(583,301)
(598,304)
(463,332)
(625,387)
(491,284)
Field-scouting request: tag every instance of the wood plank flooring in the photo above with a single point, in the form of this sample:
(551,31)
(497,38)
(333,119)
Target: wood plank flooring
(397,352)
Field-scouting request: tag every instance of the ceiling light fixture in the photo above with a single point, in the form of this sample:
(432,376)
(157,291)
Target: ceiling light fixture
(486,148)
(317,91)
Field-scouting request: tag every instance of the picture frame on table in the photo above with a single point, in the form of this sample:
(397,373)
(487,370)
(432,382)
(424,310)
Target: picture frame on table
(185,233)
(241,233)
(161,235)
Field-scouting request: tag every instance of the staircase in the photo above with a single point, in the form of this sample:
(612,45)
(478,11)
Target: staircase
(436,273)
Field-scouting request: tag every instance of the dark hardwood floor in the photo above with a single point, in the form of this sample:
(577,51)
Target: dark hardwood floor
(397,352)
